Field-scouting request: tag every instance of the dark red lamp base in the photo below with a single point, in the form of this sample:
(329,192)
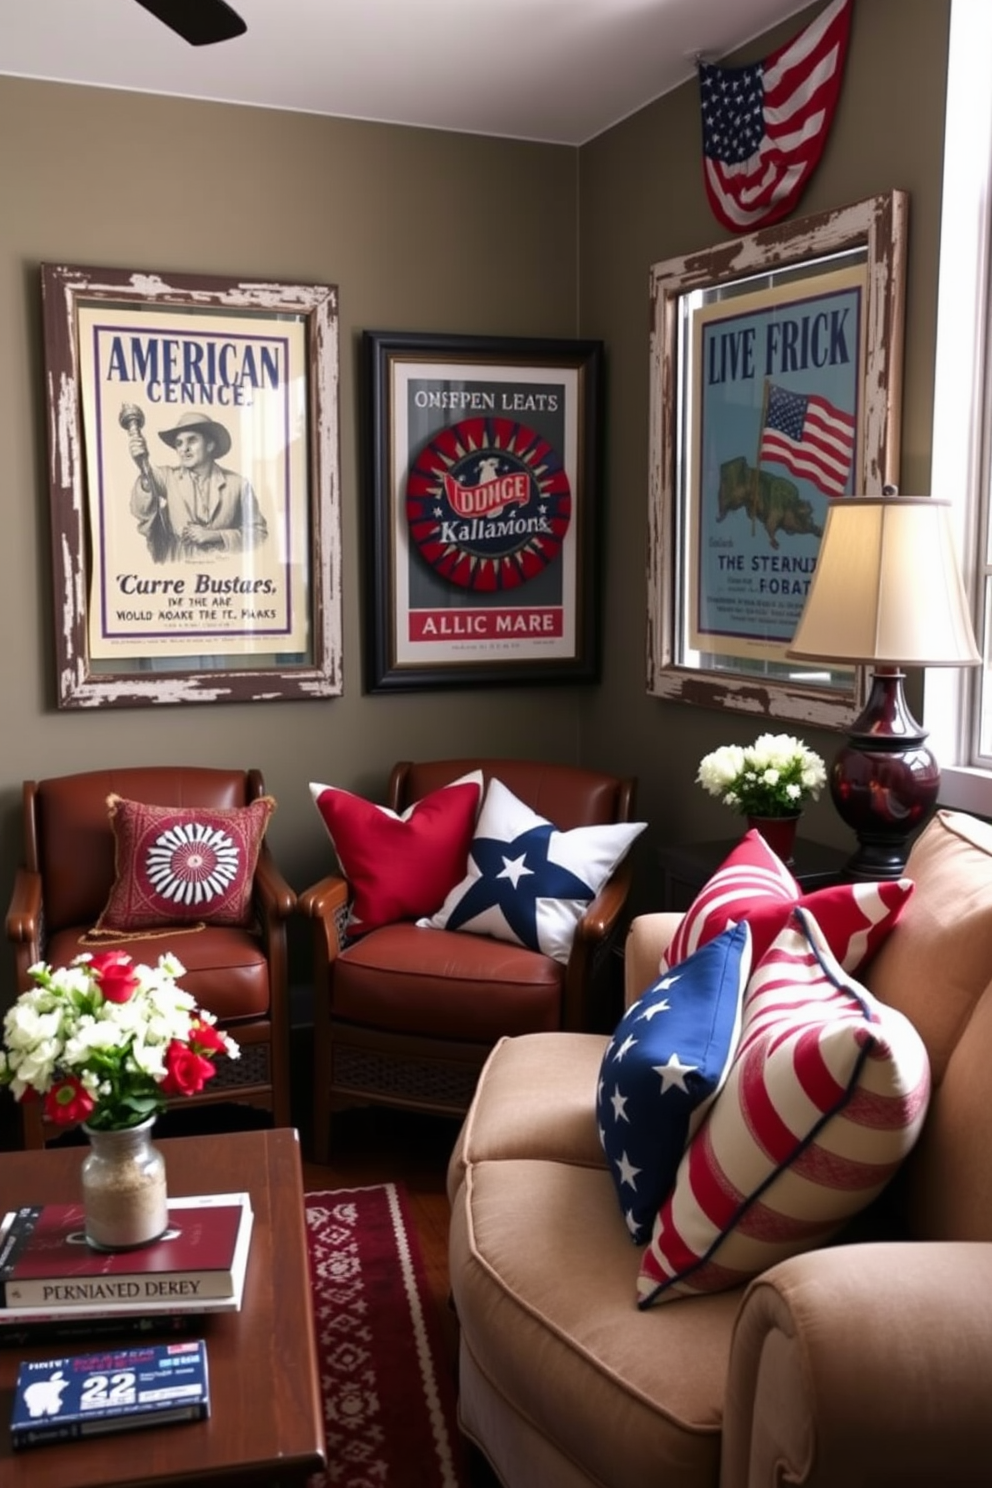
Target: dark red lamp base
(884,781)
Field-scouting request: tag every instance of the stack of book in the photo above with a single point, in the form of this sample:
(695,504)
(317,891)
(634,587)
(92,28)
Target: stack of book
(53,1282)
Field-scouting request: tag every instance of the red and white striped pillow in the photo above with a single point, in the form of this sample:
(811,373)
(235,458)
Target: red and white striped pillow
(826,1096)
(753,884)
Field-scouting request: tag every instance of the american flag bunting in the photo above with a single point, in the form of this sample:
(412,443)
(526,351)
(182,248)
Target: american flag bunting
(765,125)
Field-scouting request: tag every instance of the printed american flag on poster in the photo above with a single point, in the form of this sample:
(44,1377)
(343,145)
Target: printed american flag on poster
(809,436)
(765,125)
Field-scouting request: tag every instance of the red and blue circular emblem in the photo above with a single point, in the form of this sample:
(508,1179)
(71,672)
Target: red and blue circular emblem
(488,503)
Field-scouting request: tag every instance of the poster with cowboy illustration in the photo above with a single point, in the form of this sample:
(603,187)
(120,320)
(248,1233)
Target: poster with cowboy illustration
(196,433)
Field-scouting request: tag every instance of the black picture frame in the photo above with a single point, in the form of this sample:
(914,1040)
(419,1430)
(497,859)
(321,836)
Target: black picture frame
(491,579)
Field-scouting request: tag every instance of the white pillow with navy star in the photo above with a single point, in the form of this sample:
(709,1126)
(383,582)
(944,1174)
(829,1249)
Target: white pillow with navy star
(528,883)
(663,1068)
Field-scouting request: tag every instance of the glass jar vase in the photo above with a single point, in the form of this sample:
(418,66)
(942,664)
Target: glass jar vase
(124,1192)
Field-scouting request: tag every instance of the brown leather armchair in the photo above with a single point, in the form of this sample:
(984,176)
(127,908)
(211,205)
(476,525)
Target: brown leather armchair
(237,974)
(405,1017)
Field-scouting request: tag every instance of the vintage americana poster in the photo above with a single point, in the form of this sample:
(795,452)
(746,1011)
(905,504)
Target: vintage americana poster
(195,428)
(775,435)
(484,492)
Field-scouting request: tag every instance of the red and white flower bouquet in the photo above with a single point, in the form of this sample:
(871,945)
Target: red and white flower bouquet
(106,1042)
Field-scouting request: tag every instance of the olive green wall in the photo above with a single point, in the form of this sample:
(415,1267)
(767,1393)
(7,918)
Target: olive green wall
(421,231)
(641,201)
(392,217)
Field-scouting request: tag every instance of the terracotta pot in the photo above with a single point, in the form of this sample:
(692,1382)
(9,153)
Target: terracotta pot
(779,832)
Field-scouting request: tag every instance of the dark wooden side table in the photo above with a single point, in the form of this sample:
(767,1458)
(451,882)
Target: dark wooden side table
(686,867)
(266,1421)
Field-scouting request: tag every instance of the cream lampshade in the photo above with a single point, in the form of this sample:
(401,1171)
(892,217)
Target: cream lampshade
(886,593)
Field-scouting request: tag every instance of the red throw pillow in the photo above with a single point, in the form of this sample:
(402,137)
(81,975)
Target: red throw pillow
(753,884)
(400,867)
(182,864)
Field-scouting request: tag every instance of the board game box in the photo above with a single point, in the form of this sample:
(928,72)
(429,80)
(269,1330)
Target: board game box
(111,1389)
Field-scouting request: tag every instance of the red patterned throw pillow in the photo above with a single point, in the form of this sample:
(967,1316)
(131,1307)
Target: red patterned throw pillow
(753,884)
(825,1097)
(400,867)
(181,865)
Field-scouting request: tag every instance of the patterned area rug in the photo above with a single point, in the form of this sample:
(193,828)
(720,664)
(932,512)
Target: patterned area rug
(389,1401)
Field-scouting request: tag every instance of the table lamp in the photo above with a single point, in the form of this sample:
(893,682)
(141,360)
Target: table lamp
(886,593)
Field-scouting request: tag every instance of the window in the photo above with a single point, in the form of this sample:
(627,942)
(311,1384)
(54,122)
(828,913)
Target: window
(958,702)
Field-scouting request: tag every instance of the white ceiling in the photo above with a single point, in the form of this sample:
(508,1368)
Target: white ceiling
(559,71)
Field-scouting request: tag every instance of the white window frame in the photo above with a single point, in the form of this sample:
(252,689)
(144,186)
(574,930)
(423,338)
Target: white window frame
(963,379)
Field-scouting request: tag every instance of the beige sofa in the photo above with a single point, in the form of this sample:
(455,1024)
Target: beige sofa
(865,1362)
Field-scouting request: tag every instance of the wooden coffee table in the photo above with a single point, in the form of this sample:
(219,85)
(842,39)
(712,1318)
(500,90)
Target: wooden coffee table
(266,1422)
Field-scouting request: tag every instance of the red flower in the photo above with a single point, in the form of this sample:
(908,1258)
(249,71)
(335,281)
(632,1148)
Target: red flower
(204,1038)
(113,971)
(68,1102)
(186,1071)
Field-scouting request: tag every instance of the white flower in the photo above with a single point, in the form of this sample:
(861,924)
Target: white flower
(93,1034)
(719,769)
(773,776)
(96,1058)
(150,1058)
(35,1068)
(814,775)
(26,1024)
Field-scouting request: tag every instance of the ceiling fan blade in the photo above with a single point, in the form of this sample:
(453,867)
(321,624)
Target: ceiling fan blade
(200,22)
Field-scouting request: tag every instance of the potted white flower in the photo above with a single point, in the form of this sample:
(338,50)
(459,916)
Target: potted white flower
(769,780)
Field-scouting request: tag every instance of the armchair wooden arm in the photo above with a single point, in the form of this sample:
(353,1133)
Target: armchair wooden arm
(272,893)
(25,925)
(24,910)
(324,899)
(587,1003)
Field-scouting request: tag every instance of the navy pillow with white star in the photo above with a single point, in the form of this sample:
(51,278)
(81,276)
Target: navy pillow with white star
(663,1068)
(528,883)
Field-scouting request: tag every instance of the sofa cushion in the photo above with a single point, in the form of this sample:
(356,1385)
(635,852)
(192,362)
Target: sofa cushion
(528,883)
(534,1098)
(664,1065)
(936,969)
(553,1326)
(399,867)
(182,865)
(826,1096)
(937,964)
(753,883)
(946,1187)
